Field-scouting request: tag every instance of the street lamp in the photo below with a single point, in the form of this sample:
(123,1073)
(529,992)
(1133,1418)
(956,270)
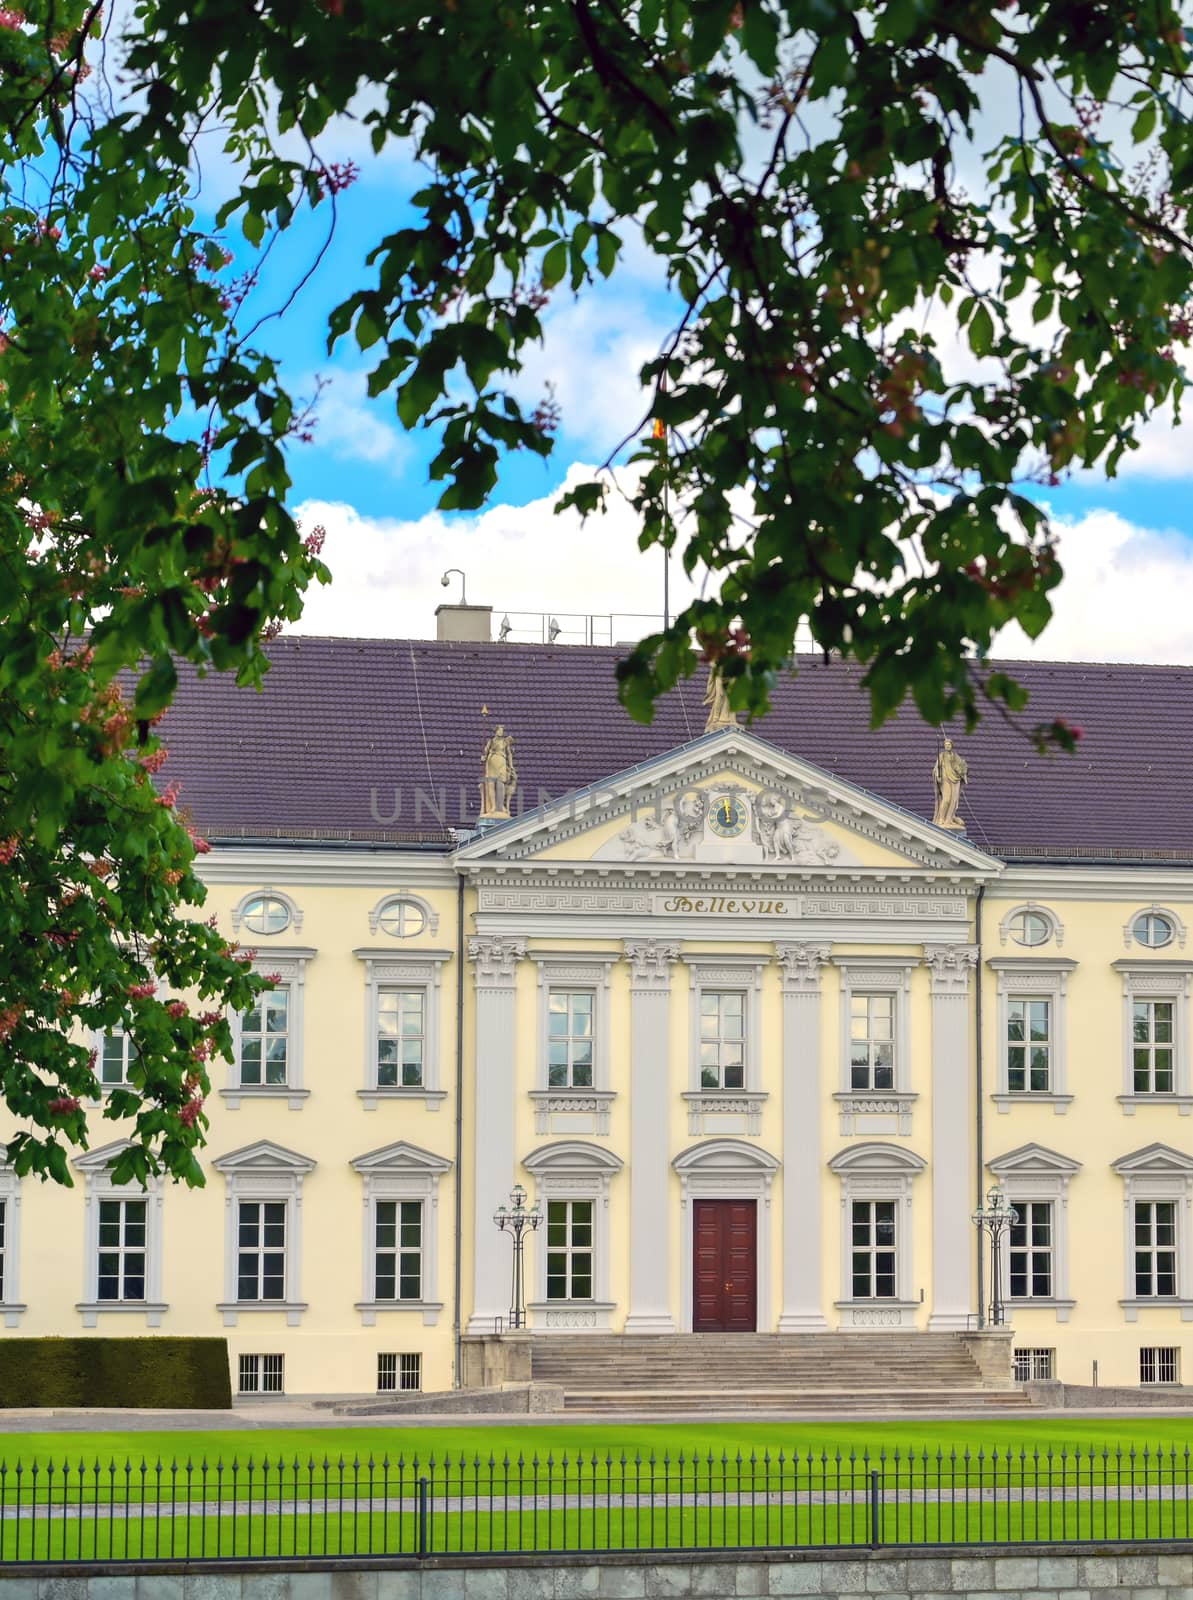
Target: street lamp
(996,1219)
(517,1219)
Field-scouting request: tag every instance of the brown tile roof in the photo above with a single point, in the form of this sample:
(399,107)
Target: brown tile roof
(359,738)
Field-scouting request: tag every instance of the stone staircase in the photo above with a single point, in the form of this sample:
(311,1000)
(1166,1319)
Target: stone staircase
(760,1372)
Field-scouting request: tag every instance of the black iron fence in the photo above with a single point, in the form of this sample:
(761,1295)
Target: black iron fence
(142,1510)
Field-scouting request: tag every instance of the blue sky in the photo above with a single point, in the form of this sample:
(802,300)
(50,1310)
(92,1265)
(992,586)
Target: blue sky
(1127,544)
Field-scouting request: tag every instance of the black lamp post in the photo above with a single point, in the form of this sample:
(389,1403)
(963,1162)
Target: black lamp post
(996,1219)
(517,1219)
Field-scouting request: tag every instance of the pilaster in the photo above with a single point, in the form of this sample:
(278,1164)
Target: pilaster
(494,967)
(650,1214)
(950,967)
(800,968)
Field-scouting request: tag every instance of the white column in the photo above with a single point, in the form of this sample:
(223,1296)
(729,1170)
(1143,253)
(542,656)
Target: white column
(803,1176)
(495,961)
(650,1124)
(952,1178)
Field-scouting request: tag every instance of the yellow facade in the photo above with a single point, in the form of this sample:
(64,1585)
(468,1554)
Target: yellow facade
(631,896)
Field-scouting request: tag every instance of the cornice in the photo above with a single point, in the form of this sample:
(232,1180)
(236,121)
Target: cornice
(252,866)
(1133,884)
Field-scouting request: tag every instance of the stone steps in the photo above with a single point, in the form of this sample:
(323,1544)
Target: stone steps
(791,1402)
(828,1362)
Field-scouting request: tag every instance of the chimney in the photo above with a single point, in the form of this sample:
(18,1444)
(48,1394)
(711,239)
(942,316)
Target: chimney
(465,624)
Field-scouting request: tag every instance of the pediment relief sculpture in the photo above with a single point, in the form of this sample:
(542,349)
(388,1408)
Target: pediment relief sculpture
(724,823)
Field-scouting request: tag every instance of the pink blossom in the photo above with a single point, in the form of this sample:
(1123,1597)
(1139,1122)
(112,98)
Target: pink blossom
(176,1008)
(98,274)
(208,1019)
(190,1111)
(9,1019)
(141,991)
(202,848)
(169,795)
(339,175)
(273,977)
(63,1106)
(314,540)
(10,19)
(9,848)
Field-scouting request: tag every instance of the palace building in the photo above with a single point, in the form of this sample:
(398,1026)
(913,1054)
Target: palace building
(755,1033)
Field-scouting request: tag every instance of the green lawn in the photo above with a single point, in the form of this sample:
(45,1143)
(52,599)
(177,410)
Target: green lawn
(357,1490)
(498,1440)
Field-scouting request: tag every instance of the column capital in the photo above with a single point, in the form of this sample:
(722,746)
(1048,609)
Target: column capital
(650,963)
(950,966)
(494,957)
(799,966)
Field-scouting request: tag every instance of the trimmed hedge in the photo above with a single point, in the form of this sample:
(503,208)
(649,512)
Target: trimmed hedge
(184,1374)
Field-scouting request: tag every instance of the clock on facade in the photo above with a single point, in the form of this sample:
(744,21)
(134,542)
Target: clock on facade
(727,816)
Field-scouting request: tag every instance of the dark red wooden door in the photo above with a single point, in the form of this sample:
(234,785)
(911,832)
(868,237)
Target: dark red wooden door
(724,1266)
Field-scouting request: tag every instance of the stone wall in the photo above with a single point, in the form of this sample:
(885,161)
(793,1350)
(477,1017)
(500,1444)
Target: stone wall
(1050,1572)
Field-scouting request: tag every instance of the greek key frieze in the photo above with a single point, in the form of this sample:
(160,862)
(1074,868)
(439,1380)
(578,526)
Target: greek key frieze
(567,900)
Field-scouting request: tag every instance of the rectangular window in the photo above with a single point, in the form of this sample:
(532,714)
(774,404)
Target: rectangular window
(872,1245)
(1029,1046)
(398,1273)
(1152,1046)
(1159,1363)
(569,1249)
(722,1039)
(261,1250)
(265,1040)
(401,1038)
(569,1038)
(121,1265)
(872,1041)
(116,1052)
(1030,1251)
(1034,1365)
(1155,1248)
(399,1370)
(262,1374)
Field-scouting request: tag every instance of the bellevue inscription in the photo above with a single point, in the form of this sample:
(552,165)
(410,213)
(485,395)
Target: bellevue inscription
(721,905)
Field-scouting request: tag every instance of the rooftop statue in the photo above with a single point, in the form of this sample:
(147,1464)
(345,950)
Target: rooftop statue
(948,775)
(499,776)
(721,713)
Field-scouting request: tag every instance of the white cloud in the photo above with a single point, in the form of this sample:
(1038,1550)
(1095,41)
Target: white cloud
(352,427)
(1124,596)
(522,560)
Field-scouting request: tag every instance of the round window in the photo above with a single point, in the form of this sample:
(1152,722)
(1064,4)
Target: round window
(403,919)
(1029,927)
(1153,930)
(265,913)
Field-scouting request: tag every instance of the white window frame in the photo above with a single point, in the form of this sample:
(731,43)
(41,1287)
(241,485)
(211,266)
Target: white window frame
(11,1304)
(263,1171)
(726,1111)
(1033,1172)
(290,964)
(400,1171)
(388,969)
(1158,1172)
(98,1038)
(727,1169)
(1055,935)
(573,1111)
(1157,979)
(268,891)
(430,915)
(571,1169)
(260,1358)
(1033,978)
(1179,932)
(878,1171)
(873,1249)
(876,1110)
(96,1167)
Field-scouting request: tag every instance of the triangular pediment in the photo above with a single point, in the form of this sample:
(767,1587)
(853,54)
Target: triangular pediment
(1155,1158)
(732,800)
(1033,1158)
(100,1159)
(401,1157)
(264,1156)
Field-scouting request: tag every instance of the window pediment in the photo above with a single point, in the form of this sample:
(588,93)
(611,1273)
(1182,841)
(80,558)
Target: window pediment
(100,1160)
(264,1156)
(1033,1158)
(725,1155)
(1154,1158)
(401,1157)
(877,1158)
(571,1156)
